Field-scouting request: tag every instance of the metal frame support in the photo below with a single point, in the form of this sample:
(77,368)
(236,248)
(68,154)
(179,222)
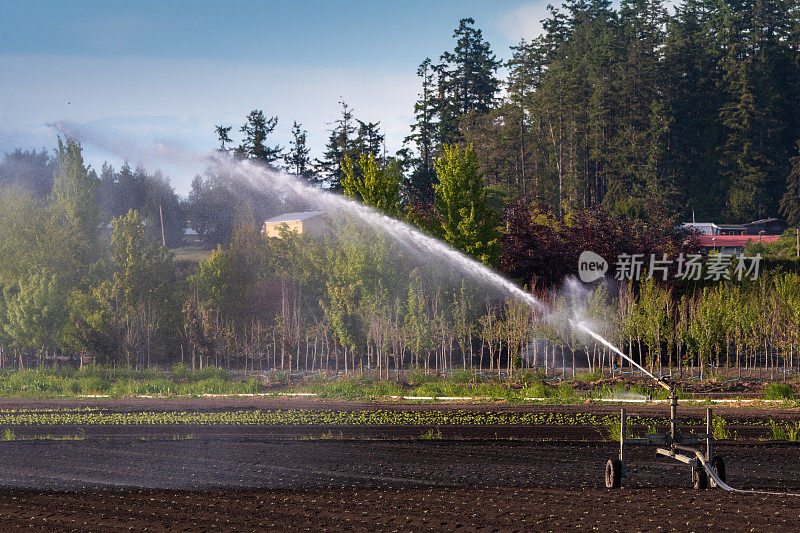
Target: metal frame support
(709,434)
(674,436)
(623,423)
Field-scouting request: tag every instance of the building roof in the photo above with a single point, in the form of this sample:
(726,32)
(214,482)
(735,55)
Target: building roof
(730,226)
(733,241)
(762,221)
(705,228)
(291,217)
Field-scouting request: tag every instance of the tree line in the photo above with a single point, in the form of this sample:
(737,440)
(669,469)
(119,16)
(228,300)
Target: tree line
(354,298)
(691,110)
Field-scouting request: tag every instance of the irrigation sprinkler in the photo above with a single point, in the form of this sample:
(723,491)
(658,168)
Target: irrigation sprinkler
(707,468)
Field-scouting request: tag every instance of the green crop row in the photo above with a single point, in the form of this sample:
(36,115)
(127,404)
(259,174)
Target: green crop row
(290,417)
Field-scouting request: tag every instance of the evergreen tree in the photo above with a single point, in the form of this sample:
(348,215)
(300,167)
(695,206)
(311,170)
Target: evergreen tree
(341,142)
(30,170)
(369,139)
(130,190)
(790,202)
(254,144)
(466,222)
(423,133)
(297,160)
(692,97)
(163,211)
(210,210)
(74,199)
(760,111)
(466,81)
(222,135)
(472,81)
(638,87)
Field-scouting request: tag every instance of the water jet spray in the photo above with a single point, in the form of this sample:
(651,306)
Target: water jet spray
(707,468)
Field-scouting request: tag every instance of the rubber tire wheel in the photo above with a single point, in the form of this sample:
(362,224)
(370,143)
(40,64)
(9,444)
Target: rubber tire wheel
(718,466)
(613,473)
(699,478)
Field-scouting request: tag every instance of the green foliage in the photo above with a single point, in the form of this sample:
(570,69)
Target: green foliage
(587,377)
(783,248)
(122,381)
(720,428)
(141,268)
(30,237)
(790,201)
(375,187)
(789,431)
(778,391)
(355,388)
(466,222)
(613,429)
(536,389)
(35,312)
(432,434)
(212,281)
(297,160)
(565,392)
(74,198)
(256,130)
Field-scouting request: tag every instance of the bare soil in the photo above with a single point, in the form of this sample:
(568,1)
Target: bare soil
(189,478)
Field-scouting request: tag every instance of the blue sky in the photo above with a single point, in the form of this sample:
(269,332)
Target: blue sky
(149,71)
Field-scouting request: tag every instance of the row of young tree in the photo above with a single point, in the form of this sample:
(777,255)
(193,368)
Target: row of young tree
(349,300)
(720,329)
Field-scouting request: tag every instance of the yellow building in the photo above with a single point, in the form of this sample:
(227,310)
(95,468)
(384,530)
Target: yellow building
(314,223)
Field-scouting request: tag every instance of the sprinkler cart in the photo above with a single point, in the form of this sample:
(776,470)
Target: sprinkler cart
(706,467)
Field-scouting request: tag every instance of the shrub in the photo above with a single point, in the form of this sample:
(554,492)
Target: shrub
(418,375)
(613,428)
(789,431)
(587,377)
(566,392)
(778,391)
(720,428)
(536,389)
(464,376)
(181,372)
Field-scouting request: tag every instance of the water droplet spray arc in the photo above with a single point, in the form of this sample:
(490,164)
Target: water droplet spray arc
(260,177)
(583,327)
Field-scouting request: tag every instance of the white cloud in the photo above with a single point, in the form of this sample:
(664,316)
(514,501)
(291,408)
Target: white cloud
(180,101)
(524,22)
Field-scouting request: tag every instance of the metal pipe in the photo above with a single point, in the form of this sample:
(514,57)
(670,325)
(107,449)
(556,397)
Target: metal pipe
(709,433)
(623,422)
(673,417)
